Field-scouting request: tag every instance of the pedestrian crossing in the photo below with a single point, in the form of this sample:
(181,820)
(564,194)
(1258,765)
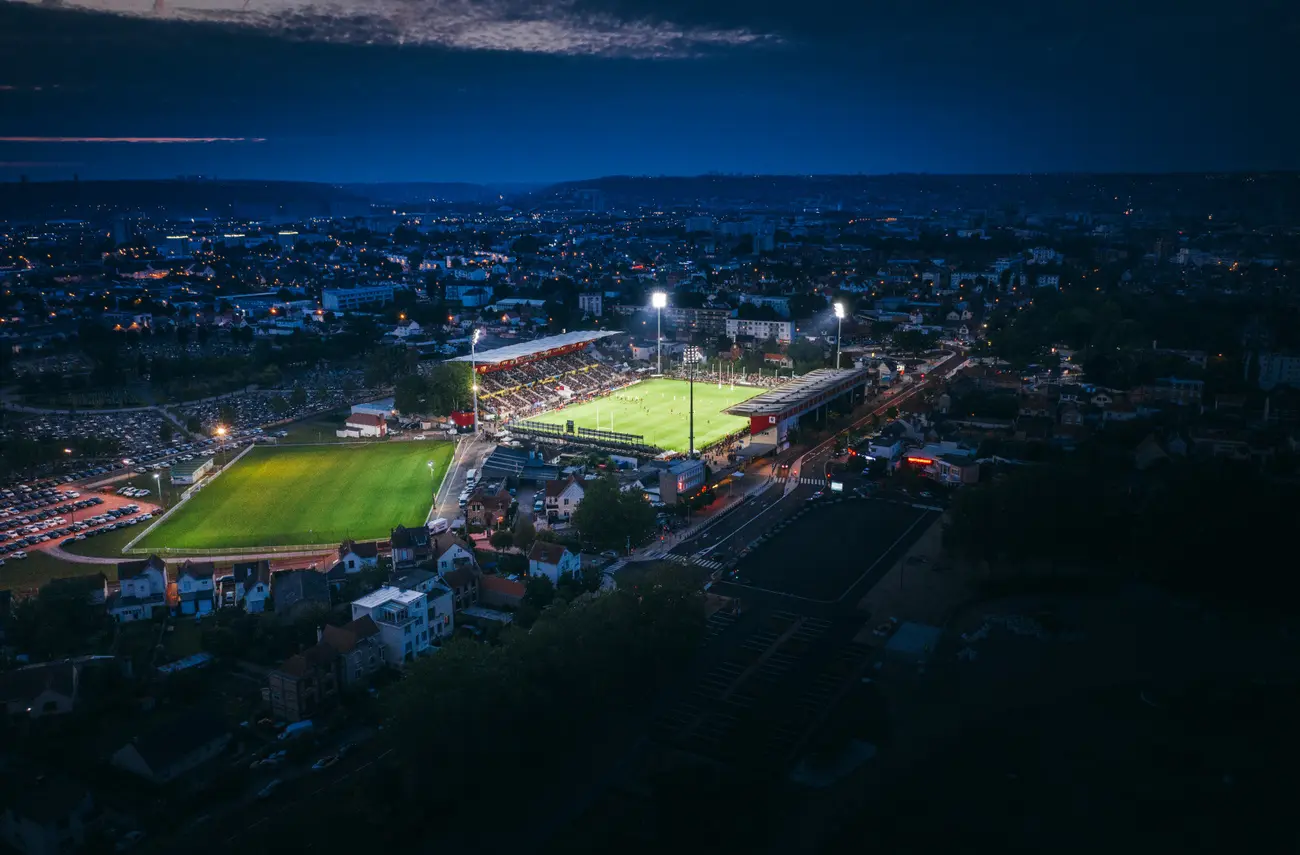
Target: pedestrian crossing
(706,563)
(808,482)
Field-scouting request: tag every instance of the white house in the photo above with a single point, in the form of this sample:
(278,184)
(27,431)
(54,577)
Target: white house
(551,560)
(356,557)
(450,552)
(402,618)
(249,583)
(143,589)
(563,498)
(364,424)
(406,329)
(442,605)
(195,587)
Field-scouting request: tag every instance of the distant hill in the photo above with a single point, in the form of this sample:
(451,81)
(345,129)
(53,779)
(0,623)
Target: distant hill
(1267,197)
(179,198)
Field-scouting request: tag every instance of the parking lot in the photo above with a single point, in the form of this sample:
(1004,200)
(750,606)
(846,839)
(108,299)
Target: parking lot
(48,517)
(829,548)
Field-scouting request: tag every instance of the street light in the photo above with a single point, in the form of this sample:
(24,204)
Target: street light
(659,299)
(839,331)
(157,483)
(473,368)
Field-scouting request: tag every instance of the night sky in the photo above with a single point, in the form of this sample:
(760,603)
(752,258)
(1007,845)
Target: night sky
(543,90)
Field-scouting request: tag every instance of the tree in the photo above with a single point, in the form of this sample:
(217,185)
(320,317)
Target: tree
(539,592)
(411,395)
(609,517)
(525,533)
(502,540)
(278,405)
(298,397)
(891,413)
(165,431)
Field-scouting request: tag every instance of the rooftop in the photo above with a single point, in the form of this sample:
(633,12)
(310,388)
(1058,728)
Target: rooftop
(797,391)
(525,349)
(375,599)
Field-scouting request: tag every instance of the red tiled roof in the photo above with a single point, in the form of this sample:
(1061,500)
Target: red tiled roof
(502,585)
(546,553)
(365,420)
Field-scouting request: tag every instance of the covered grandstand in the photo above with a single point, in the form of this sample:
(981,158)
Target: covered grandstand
(773,413)
(519,380)
(511,355)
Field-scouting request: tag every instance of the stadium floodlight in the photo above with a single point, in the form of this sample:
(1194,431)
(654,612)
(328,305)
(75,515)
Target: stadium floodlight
(839,330)
(659,299)
(473,368)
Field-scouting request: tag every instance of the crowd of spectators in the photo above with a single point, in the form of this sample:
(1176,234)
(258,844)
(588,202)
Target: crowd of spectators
(535,387)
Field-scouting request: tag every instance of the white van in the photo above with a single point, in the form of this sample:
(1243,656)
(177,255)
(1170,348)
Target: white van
(471,477)
(439,525)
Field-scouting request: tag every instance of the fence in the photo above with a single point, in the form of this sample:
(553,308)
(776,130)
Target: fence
(236,551)
(130,549)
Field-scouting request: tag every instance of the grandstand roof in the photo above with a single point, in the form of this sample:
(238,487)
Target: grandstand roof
(797,391)
(536,347)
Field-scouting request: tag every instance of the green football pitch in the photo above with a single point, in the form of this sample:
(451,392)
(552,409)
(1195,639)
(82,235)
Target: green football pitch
(658,410)
(300,495)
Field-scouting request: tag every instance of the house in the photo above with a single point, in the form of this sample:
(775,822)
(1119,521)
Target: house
(142,589)
(249,583)
(292,591)
(49,688)
(46,816)
(500,591)
(551,560)
(164,752)
(304,684)
(195,586)
(364,425)
(403,621)
(310,682)
(442,602)
(563,497)
(463,582)
(487,508)
(410,544)
(358,556)
(450,552)
(359,649)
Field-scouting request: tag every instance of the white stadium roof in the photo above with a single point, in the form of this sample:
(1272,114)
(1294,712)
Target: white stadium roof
(525,349)
(798,391)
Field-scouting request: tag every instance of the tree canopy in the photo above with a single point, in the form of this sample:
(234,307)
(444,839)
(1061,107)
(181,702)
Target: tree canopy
(609,518)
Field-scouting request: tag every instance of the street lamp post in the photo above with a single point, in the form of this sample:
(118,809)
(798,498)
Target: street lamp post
(473,367)
(659,299)
(157,483)
(839,331)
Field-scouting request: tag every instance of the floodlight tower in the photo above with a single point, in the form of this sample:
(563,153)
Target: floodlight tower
(473,368)
(839,330)
(659,299)
(691,356)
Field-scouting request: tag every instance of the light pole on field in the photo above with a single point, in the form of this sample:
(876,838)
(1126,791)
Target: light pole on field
(691,356)
(839,331)
(659,299)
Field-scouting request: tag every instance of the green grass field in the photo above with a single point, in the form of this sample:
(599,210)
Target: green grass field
(657,409)
(309,495)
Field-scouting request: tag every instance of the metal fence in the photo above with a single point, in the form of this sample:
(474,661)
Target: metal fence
(190,491)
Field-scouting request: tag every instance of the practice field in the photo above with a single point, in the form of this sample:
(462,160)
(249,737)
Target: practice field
(658,410)
(309,495)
